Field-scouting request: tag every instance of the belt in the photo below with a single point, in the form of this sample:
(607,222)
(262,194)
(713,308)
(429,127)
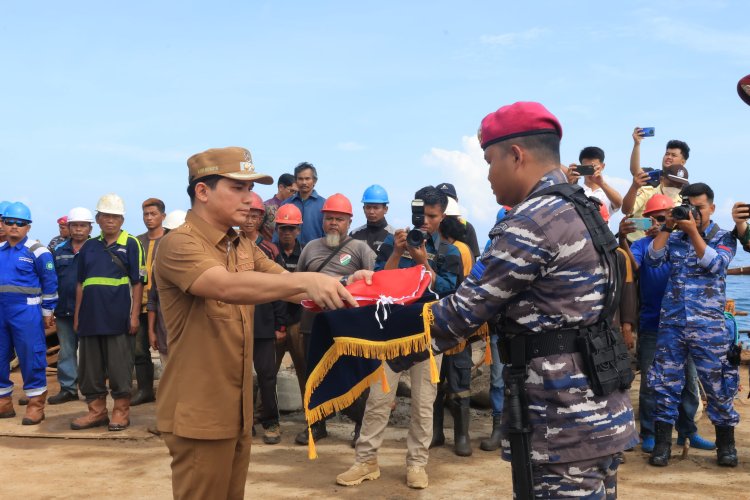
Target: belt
(541,344)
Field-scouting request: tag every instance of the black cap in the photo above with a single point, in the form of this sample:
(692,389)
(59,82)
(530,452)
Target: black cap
(448,189)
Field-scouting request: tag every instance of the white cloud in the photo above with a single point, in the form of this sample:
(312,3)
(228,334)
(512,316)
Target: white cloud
(698,38)
(350,146)
(509,39)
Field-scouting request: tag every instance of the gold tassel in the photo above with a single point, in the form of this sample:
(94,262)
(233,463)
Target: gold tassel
(312,453)
(384,379)
(487,352)
(428,319)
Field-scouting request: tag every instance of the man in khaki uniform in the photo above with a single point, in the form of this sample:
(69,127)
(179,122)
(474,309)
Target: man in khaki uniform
(207,280)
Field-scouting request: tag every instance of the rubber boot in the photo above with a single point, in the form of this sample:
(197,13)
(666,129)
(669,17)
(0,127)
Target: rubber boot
(438,417)
(663,444)
(144,375)
(35,410)
(97,416)
(493,442)
(726,453)
(120,415)
(6,407)
(696,441)
(461,417)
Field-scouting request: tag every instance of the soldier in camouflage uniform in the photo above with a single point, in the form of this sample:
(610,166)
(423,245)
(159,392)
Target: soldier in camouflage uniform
(692,322)
(543,272)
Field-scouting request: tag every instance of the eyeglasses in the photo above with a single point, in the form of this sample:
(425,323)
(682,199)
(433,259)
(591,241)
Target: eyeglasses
(661,218)
(16,222)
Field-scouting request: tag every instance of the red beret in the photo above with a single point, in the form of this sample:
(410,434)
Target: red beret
(743,89)
(517,120)
(63,220)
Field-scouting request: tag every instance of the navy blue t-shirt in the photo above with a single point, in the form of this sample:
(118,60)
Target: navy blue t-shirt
(105,308)
(652,285)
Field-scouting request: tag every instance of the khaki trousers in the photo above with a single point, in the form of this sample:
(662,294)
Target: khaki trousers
(208,468)
(378,410)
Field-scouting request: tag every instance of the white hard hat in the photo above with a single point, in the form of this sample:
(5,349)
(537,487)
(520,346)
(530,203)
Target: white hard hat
(174,219)
(452,208)
(111,204)
(80,214)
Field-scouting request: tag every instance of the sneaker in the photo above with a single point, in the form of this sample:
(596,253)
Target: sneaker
(359,472)
(416,477)
(272,435)
(648,443)
(696,441)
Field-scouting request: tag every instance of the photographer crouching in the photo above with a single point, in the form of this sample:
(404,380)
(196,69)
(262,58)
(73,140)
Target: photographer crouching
(420,246)
(692,321)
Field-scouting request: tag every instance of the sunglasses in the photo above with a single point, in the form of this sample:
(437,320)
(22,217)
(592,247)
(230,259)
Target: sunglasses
(16,222)
(661,218)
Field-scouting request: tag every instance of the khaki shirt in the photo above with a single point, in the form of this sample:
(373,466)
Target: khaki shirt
(206,389)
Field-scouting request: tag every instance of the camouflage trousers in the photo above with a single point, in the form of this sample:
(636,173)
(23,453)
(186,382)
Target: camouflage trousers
(594,479)
(708,347)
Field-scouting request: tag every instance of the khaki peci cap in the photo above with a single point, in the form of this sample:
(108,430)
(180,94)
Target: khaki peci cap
(233,162)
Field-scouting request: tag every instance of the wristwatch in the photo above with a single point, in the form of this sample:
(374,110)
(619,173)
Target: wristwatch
(344,280)
(666,229)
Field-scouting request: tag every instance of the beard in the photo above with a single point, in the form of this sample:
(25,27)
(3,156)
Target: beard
(333,239)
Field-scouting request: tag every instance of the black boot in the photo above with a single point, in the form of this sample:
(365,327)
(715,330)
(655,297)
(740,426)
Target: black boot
(726,453)
(438,414)
(663,446)
(144,375)
(461,416)
(493,442)
(319,432)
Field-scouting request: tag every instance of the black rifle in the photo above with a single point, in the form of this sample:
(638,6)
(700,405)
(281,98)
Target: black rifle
(519,429)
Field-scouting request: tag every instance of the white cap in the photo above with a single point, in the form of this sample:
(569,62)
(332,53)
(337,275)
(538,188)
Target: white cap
(452,208)
(80,214)
(174,219)
(111,204)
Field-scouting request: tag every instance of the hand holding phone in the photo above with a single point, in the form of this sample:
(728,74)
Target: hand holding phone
(642,223)
(654,178)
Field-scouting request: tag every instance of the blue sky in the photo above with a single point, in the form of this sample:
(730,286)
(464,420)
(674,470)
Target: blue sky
(100,97)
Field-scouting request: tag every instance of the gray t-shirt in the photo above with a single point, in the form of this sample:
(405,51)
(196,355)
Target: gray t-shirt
(353,256)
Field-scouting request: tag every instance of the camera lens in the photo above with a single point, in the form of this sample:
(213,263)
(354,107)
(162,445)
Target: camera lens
(414,238)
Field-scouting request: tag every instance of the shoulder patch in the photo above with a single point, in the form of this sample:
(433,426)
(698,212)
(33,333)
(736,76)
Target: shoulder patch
(477,270)
(50,266)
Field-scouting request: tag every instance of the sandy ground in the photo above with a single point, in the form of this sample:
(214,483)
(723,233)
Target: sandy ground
(51,461)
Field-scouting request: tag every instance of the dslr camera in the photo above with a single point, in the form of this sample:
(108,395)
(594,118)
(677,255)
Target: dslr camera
(684,210)
(416,236)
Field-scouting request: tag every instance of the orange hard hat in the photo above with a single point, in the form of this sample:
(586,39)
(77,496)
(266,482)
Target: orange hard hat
(256,203)
(288,215)
(338,203)
(658,202)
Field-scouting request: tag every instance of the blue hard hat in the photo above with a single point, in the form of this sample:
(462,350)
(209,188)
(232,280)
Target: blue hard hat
(3,206)
(17,210)
(375,194)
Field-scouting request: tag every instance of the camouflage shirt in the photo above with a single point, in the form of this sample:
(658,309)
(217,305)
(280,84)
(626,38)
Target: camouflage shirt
(695,292)
(542,271)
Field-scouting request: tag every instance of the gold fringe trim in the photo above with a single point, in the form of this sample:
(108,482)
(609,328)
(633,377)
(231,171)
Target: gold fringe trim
(428,320)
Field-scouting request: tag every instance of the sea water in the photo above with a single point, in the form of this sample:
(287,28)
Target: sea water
(738,288)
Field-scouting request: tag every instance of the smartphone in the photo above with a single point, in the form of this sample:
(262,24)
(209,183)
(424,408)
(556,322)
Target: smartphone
(647,131)
(585,169)
(642,223)
(654,177)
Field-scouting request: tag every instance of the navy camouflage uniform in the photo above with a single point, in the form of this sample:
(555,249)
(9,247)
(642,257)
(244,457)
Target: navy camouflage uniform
(692,322)
(543,272)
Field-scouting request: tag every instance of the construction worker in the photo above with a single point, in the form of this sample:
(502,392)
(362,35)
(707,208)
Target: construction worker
(66,265)
(111,273)
(63,233)
(375,206)
(28,296)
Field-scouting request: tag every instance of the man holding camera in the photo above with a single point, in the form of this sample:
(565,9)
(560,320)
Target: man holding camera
(692,321)
(420,246)
(669,181)
(591,159)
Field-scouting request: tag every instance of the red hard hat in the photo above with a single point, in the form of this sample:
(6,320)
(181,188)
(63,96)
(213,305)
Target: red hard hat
(658,202)
(338,203)
(288,215)
(257,202)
